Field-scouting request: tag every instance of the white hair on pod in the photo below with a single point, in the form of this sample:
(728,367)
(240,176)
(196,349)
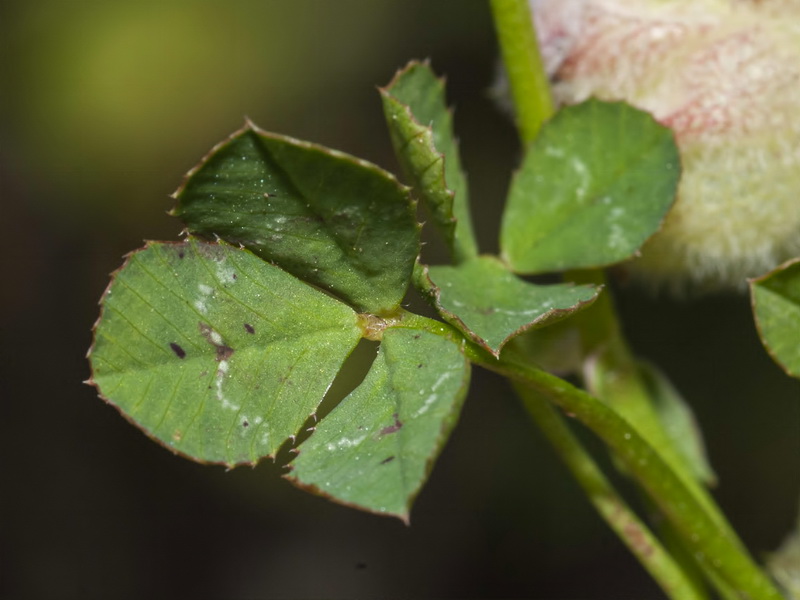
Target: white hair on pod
(725,76)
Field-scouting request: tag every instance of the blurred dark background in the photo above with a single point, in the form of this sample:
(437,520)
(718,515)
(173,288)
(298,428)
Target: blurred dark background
(103,107)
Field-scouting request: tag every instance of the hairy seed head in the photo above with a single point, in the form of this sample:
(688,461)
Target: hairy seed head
(725,76)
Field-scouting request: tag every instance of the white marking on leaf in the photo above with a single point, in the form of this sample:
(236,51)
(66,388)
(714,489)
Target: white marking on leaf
(431,399)
(205,293)
(222,370)
(583,175)
(225,273)
(344,443)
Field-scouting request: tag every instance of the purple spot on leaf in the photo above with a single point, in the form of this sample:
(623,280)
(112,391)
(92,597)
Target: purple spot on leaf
(392,428)
(224,351)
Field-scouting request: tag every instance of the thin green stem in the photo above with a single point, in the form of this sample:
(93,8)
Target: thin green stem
(628,424)
(531,94)
(714,548)
(530,89)
(613,374)
(611,506)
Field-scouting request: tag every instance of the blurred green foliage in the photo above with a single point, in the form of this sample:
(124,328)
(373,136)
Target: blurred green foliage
(111,101)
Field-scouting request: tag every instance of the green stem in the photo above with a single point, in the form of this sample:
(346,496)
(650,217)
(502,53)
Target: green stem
(530,89)
(611,506)
(531,94)
(718,551)
(634,436)
(614,376)
(715,548)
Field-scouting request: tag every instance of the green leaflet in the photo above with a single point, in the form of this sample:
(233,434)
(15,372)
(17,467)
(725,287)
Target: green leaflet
(326,217)
(776,304)
(593,187)
(679,423)
(421,128)
(376,448)
(491,305)
(215,353)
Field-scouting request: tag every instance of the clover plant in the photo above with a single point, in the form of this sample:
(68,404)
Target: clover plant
(223,345)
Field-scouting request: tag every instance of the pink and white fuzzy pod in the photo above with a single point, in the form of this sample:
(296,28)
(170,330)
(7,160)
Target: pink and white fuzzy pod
(725,76)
